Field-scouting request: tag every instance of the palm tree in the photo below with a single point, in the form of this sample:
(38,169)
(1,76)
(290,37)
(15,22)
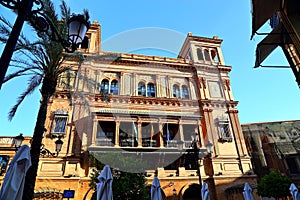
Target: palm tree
(41,61)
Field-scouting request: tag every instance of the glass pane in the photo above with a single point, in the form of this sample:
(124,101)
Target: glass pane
(60,124)
(176,91)
(114,87)
(185,92)
(104,86)
(141,89)
(150,90)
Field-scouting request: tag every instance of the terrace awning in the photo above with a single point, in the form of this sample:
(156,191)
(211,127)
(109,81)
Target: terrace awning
(268,44)
(262,10)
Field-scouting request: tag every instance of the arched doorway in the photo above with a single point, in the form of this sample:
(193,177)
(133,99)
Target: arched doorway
(193,192)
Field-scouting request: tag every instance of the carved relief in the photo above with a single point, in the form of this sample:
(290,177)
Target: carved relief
(111,75)
(147,78)
(214,89)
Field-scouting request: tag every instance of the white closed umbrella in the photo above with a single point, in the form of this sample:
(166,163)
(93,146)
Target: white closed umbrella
(155,190)
(104,187)
(247,192)
(294,192)
(13,184)
(205,192)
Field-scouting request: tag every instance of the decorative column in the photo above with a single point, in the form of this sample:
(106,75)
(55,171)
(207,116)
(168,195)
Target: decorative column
(169,87)
(237,131)
(157,86)
(94,132)
(134,85)
(140,144)
(199,129)
(202,87)
(122,86)
(117,134)
(161,141)
(181,136)
(208,119)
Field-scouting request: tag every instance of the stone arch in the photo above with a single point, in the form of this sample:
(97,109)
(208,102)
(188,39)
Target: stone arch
(190,192)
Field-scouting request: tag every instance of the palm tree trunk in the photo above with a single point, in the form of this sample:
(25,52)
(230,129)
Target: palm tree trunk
(47,91)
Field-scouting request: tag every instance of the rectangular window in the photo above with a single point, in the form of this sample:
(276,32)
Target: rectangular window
(59,124)
(224,130)
(291,162)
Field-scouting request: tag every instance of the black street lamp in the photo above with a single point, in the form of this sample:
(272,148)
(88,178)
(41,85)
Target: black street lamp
(18,140)
(77,28)
(200,153)
(48,153)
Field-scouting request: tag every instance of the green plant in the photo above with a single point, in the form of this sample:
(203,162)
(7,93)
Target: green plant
(274,185)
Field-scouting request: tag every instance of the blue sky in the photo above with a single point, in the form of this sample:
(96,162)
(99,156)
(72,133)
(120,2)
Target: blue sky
(264,94)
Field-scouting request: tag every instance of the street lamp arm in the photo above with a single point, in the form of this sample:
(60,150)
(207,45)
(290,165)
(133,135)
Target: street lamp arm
(15,4)
(46,152)
(32,10)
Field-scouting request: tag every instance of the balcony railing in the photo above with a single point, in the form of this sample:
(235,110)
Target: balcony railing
(130,142)
(104,142)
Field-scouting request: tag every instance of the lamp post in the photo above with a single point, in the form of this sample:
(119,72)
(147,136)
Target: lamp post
(43,152)
(77,28)
(199,154)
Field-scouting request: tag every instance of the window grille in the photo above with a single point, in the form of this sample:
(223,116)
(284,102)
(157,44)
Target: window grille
(224,129)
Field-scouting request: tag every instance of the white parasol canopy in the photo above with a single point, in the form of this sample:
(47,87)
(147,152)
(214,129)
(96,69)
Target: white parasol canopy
(155,190)
(294,192)
(247,192)
(13,184)
(205,192)
(104,187)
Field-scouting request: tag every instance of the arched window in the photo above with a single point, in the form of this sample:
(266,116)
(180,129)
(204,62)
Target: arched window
(206,55)
(214,55)
(150,90)
(185,92)
(176,91)
(200,54)
(114,87)
(104,86)
(141,89)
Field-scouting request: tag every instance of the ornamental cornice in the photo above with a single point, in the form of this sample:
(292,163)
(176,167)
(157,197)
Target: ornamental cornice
(218,103)
(135,60)
(62,94)
(143,100)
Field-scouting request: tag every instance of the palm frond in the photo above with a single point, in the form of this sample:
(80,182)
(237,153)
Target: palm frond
(65,11)
(86,14)
(34,82)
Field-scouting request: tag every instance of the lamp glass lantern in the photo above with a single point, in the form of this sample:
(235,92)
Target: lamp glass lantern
(174,192)
(58,145)
(78,27)
(18,140)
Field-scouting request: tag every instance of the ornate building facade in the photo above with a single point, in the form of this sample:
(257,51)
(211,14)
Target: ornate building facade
(274,146)
(153,109)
